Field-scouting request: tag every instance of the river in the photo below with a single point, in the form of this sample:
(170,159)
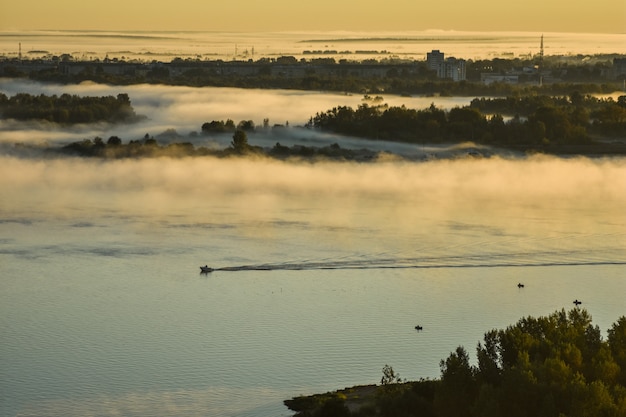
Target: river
(323,269)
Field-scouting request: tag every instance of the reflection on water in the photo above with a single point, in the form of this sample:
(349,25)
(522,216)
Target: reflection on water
(103,309)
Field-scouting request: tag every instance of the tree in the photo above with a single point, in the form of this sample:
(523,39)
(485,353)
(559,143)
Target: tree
(617,344)
(389,376)
(457,391)
(240,141)
(123,99)
(247,125)
(114,141)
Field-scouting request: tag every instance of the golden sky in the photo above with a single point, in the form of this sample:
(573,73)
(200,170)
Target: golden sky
(601,16)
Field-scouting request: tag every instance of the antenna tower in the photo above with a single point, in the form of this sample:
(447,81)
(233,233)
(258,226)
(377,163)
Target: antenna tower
(541,53)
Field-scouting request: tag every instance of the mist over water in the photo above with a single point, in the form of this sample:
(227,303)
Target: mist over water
(322,268)
(173,113)
(399,200)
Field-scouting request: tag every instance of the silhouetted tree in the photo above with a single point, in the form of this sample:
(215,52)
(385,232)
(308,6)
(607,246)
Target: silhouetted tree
(240,142)
(114,141)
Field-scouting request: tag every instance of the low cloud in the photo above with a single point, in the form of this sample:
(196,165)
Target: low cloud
(541,183)
(185,109)
(506,193)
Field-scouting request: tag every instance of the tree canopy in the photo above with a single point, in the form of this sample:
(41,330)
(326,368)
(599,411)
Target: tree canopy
(533,122)
(67,109)
(552,366)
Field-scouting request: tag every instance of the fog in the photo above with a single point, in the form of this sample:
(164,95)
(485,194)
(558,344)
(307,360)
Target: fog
(185,109)
(194,187)
(112,244)
(504,188)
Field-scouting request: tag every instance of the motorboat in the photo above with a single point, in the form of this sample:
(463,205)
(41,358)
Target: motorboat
(206,269)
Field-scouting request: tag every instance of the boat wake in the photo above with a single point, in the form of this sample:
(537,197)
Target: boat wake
(504,260)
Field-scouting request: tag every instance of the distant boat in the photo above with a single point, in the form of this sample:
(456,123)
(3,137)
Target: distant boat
(206,269)
(520,285)
(577,302)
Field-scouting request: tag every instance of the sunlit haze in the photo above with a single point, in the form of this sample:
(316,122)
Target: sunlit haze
(194,220)
(600,16)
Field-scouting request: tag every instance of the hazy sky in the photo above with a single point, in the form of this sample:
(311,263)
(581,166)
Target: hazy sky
(603,16)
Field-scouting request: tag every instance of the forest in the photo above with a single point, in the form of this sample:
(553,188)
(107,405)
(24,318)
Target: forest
(571,124)
(542,123)
(67,109)
(148,147)
(553,366)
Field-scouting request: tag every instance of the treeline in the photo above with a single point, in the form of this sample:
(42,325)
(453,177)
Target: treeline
(601,116)
(541,123)
(148,147)
(67,109)
(538,122)
(392,83)
(551,366)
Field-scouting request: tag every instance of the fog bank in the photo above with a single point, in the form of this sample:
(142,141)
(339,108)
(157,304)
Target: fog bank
(162,185)
(185,109)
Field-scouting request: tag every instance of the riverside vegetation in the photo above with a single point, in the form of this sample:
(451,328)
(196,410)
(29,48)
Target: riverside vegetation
(553,366)
(68,109)
(574,124)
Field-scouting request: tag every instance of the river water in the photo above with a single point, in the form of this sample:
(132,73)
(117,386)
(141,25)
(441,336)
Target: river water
(104,311)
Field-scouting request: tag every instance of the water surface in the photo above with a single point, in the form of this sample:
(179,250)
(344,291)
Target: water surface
(103,310)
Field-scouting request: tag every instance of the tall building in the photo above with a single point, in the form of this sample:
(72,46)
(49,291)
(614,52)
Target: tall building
(434,60)
(452,68)
(619,68)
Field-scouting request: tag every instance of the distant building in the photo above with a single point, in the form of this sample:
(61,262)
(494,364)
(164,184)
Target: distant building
(490,78)
(451,68)
(434,60)
(619,68)
(454,69)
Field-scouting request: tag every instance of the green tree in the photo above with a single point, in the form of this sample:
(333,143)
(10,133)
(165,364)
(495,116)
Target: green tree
(390,376)
(457,392)
(240,142)
(617,344)
(246,125)
(114,141)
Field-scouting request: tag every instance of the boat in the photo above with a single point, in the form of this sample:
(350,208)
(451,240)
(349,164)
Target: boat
(206,269)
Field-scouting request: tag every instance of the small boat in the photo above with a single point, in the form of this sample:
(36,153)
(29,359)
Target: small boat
(206,269)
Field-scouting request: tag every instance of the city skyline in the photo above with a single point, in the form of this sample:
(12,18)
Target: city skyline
(601,16)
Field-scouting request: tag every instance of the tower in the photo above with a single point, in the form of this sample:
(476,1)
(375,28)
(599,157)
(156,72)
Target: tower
(540,63)
(541,52)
